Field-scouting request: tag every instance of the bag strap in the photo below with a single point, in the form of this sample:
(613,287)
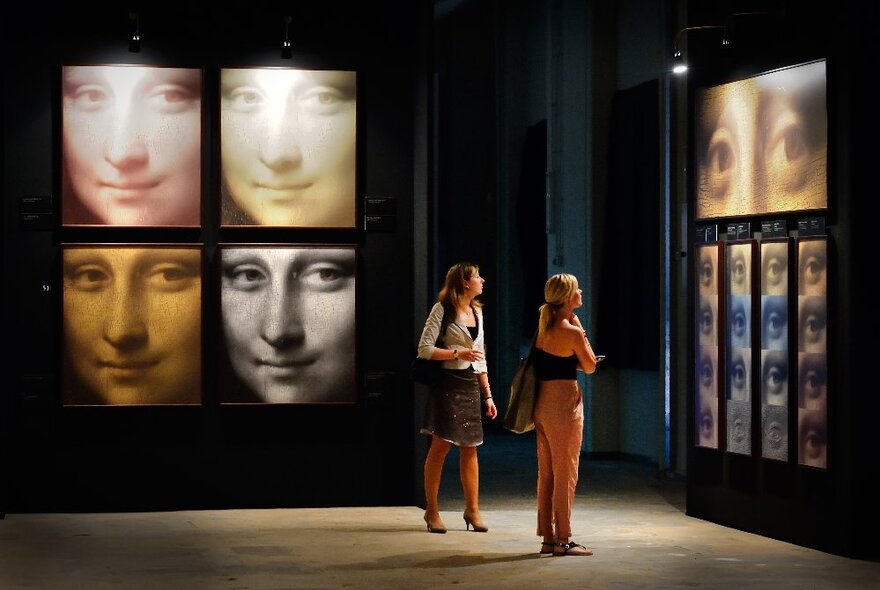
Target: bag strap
(443,325)
(532,348)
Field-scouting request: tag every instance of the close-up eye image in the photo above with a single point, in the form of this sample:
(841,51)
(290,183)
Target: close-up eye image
(774,432)
(707,397)
(812,380)
(761,144)
(812,266)
(739,370)
(739,427)
(739,269)
(707,322)
(739,321)
(774,268)
(812,438)
(707,269)
(774,377)
(774,322)
(812,322)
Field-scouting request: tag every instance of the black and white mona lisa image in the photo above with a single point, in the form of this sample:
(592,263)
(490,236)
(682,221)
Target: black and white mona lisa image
(812,357)
(288,321)
(738,273)
(774,347)
(132,325)
(706,354)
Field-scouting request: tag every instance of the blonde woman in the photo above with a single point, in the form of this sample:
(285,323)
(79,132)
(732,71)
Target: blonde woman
(561,349)
(452,413)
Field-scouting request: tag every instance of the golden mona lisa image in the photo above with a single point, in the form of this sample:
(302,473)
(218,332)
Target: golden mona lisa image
(132,325)
(761,144)
(131,146)
(288,147)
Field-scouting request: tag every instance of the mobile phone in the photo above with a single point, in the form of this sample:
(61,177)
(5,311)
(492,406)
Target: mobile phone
(600,357)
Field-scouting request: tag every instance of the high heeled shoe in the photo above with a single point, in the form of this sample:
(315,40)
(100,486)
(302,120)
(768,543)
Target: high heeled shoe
(435,525)
(478,525)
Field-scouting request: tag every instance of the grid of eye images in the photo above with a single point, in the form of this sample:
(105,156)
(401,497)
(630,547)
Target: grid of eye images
(132,314)
(778,307)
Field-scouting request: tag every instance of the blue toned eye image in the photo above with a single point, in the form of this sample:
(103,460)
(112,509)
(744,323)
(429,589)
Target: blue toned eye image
(739,320)
(774,322)
(739,370)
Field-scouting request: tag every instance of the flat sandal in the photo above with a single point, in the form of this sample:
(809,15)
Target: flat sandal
(572,548)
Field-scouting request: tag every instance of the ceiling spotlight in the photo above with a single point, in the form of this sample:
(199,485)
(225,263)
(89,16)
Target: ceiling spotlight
(286,50)
(134,44)
(678,64)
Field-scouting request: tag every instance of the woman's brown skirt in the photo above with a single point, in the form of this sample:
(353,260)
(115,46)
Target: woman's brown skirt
(453,409)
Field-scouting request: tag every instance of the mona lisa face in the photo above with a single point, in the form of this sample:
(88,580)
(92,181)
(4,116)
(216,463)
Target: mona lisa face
(132,325)
(131,145)
(287,143)
(761,144)
(289,322)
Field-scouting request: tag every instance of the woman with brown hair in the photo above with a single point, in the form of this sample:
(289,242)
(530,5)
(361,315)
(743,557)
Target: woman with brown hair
(454,335)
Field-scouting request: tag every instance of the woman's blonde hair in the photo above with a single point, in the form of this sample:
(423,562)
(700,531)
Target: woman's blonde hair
(558,290)
(453,287)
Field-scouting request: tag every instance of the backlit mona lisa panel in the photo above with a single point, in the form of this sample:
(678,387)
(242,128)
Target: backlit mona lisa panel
(132,324)
(761,144)
(812,357)
(739,258)
(706,341)
(774,349)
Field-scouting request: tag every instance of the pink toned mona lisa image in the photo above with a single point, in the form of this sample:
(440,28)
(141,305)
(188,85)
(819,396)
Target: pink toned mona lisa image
(287,147)
(131,146)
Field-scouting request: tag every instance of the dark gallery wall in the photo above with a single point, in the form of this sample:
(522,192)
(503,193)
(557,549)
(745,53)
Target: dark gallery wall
(56,458)
(831,509)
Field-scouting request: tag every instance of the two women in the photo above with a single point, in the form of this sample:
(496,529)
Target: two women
(454,335)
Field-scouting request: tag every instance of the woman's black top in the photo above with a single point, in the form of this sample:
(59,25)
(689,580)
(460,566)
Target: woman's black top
(550,366)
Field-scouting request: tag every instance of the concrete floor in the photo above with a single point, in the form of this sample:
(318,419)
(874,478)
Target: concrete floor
(633,521)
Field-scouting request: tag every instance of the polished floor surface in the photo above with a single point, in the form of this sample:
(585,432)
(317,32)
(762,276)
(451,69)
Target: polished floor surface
(634,522)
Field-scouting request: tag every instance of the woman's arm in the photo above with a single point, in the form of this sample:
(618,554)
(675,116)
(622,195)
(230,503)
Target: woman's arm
(428,348)
(486,394)
(581,346)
